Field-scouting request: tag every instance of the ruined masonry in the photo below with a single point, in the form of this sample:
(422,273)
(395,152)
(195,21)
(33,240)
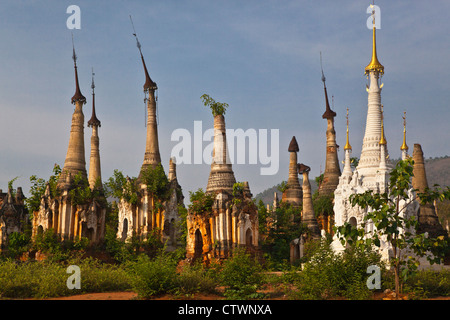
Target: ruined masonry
(230,224)
(145,216)
(58,211)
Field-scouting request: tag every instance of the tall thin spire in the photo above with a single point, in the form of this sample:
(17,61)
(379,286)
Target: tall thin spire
(149,83)
(78,96)
(374,64)
(95,175)
(93,121)
(328,114)
(347,143)
(404,145)
(152,156)
(332,169)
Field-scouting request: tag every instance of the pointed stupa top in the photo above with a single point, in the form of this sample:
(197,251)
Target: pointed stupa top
(149,83)
(383,138)
(328,114)
(347,143)
(93,121)
(374,64)
(78,96)
(293,146)
(404,145)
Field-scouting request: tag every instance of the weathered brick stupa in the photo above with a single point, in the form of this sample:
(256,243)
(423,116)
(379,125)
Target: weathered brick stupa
(293,192)
(69,217)
(332,169)
(428,219)
(232,220)
(152,212)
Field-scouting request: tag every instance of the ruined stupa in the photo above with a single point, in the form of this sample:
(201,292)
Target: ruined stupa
(232,220)
(151,212)
(293,192)
(73,218)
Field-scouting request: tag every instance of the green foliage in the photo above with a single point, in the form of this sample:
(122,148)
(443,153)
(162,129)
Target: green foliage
(81,193)
(195,279)
(156,181)
(18,243)
(329,275)
(241,275)
(48,279)
(388,218)
(152,277)
(323,204)
(283,186)
(238,192)
(201,202)
(217,108)
(275,239)
(120,187)
(354,162)
(37,189)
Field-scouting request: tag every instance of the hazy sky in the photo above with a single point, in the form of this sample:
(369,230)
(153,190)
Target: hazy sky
(261,57)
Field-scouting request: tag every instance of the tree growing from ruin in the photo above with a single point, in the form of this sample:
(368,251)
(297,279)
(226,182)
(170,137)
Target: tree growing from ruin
(217,108)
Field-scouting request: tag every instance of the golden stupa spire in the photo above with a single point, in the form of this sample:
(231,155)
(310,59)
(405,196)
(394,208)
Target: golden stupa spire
(374,64)
(347,143)
(404,145)
(383,139)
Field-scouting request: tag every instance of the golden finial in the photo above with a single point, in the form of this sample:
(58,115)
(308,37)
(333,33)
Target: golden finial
(404,145)
(347,144)
(374,64)
(383,139)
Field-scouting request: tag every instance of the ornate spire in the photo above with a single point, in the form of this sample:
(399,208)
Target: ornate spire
(149,83)
(382,139)
(374,64)
(404,145)
(78,96)
(328,114)
(347,143)
(93,121)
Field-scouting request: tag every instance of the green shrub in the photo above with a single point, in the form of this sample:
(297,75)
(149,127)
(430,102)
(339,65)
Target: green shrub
(241,275)
(330,275)
(428,283)
(151,277)
(195,280)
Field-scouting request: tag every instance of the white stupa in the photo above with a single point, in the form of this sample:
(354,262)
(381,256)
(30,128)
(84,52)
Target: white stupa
(372,172)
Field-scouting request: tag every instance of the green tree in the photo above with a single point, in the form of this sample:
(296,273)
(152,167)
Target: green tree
(217,108)
(120,187)
(390,218)
(37,189)
(201,202)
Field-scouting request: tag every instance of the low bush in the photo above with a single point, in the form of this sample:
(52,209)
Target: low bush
(241,275)
(330,275)
(152,277)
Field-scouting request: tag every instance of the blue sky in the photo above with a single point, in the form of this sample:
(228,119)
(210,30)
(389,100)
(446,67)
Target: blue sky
(260,57)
